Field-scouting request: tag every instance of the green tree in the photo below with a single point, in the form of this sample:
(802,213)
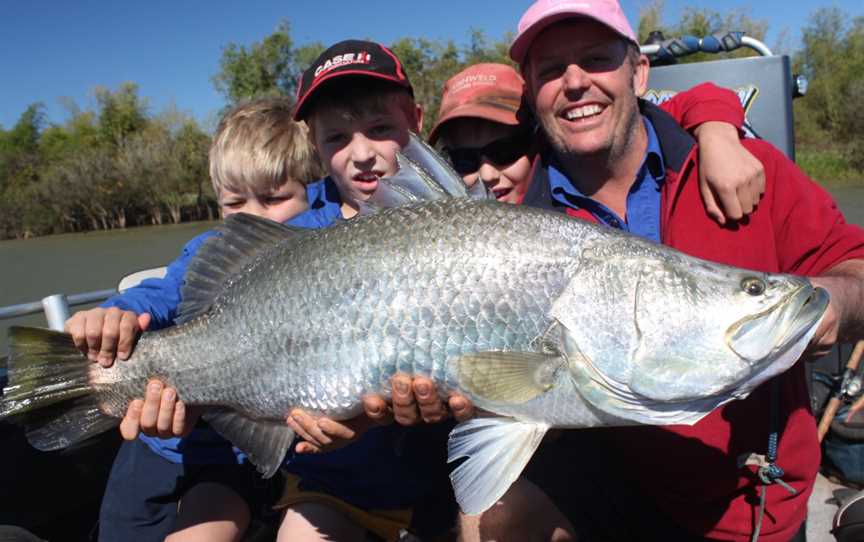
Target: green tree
(830,118)
(831,54)
(266,68)
(121,113)
(20,172)
(479,49)
(429,64)
(81,131)
(24,136)
(164,168)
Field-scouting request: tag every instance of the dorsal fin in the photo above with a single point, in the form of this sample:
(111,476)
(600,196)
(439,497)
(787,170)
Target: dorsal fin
(239,240)
(423,175)
(427,161)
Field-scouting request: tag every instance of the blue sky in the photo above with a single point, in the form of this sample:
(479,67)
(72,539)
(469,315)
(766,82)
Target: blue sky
(59,48)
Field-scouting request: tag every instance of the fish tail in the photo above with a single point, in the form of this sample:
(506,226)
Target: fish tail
(49,390)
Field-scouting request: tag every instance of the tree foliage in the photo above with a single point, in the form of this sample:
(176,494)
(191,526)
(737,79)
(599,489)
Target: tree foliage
(121,113)
(107,168)
(118,164)
(266,68)
(830,118)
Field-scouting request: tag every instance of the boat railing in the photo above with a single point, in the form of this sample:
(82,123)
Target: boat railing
(687,45)
(56,307)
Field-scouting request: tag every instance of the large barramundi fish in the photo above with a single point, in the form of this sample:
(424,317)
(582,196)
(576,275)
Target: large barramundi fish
(542,320)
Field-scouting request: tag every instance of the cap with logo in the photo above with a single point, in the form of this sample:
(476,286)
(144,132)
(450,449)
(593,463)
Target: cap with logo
(543,13)
(349,58)
(487,91)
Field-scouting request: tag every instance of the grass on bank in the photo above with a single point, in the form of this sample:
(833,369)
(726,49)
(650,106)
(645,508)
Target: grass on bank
(829,167)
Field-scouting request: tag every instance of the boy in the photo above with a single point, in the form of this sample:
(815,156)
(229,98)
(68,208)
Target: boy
(360,108)
(260,160)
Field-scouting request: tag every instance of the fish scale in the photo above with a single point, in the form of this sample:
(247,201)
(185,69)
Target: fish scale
(316,352)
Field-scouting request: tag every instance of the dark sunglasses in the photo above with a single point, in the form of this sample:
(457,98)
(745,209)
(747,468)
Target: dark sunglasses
(501,152)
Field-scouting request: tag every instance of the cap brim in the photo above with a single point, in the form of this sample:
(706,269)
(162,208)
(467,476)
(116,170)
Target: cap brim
(499,114)
(302,104)
(520,46)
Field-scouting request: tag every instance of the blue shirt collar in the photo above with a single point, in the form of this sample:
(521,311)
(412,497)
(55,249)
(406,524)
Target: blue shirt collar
(643,201)
(653,154)
(325,206)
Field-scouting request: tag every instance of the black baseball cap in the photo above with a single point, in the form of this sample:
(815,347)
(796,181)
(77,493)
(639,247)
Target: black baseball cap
(354,58)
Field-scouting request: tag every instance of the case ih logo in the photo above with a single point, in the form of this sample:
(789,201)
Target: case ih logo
(341,60)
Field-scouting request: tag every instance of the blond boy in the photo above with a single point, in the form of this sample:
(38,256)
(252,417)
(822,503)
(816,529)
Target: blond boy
(260,161)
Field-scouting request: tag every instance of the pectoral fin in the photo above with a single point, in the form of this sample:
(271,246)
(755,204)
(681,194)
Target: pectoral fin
(265,443)
(508,377)
(497,450)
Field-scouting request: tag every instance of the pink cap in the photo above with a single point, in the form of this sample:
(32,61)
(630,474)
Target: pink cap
(485,91)
(542,13)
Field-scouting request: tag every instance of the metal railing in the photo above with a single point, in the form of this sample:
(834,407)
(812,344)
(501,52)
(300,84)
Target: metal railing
(55,307)
(687,45)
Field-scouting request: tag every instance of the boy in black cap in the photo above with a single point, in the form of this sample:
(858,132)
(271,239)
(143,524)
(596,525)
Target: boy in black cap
(360,108)
(359,105)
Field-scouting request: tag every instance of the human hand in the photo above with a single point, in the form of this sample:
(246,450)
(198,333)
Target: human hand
(731,179)
(322,434)
(417,399)
(105,334)
(160,414)
(828,332)
(844,318)
(414,400)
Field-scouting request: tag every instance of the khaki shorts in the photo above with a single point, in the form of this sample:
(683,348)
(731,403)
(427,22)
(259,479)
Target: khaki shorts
(385,523)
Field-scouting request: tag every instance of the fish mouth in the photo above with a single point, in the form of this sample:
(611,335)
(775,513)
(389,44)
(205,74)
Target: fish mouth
(774,330)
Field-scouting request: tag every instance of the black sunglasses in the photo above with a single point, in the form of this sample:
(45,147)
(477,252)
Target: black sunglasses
(501,152)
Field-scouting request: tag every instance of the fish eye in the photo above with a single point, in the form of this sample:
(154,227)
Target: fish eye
(753,286)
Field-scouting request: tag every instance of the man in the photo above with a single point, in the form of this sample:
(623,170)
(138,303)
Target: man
(614,159)
(611,158)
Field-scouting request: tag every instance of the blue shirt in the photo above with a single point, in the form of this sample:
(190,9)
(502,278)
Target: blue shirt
(325,204)
(643,200)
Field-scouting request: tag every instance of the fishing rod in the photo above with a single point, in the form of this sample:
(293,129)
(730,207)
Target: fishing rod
(849,387)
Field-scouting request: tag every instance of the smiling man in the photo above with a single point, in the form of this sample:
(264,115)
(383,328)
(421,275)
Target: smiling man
(612,158)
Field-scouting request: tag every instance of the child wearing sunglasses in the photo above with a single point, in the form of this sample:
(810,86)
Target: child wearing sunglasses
(479,132)
(486,136)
